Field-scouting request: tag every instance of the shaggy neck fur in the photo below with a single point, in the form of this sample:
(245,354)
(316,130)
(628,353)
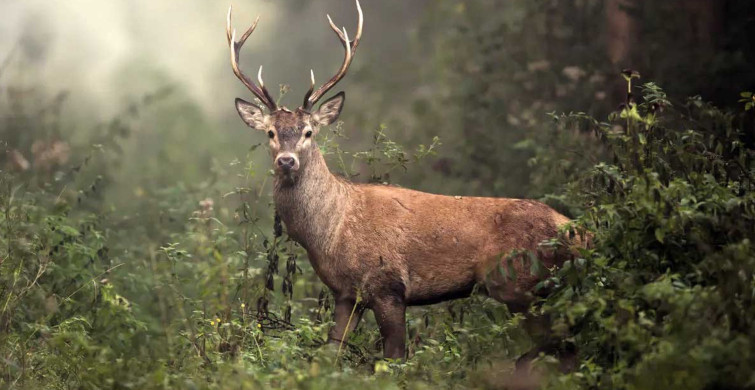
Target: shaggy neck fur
(312,204)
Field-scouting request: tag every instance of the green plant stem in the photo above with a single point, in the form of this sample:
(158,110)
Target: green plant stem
(348,323)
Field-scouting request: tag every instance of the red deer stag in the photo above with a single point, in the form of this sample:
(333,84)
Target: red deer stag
(396,246)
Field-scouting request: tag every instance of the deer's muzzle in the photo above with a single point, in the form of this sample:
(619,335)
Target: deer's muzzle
(287,162)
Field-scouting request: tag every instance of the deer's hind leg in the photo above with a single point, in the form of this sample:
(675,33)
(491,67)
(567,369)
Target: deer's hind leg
(387,299)
(538,327)
(390,314)
(515,290)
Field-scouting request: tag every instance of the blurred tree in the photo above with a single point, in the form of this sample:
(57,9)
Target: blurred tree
(505,65)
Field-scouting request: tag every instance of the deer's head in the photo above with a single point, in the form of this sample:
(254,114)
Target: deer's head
(291,133)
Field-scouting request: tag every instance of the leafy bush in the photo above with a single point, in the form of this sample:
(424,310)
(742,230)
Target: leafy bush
(664,299)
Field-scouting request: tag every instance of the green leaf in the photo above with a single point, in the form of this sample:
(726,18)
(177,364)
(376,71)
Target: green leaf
(659,234)
(68,231)
(536,268)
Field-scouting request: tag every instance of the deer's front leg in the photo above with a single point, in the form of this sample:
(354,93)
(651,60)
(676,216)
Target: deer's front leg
(390,314)
(344,327)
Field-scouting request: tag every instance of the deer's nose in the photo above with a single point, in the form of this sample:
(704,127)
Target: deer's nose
(287,163)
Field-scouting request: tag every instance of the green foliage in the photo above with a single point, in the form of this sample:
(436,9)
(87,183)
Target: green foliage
(383,156)
(664,298)
(748,99)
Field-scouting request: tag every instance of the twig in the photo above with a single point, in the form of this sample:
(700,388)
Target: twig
(93,279)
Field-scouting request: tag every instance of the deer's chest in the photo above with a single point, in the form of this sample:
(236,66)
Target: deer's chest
(336,272)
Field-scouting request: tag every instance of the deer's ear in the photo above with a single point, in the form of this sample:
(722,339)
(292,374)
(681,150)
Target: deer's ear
(252,114)
(330,110)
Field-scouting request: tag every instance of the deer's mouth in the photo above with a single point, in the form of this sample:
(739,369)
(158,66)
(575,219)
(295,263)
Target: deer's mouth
(287,173)
(287,179)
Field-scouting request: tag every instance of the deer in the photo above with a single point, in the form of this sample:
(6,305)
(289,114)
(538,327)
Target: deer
(382,247)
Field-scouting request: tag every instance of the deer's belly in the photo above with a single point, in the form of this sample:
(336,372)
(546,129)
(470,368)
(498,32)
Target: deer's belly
(436,276)
(439,291)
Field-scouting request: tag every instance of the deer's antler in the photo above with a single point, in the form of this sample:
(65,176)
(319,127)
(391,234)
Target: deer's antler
(313,96)
(260,92)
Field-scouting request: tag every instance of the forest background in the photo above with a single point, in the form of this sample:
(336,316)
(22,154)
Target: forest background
(138,242)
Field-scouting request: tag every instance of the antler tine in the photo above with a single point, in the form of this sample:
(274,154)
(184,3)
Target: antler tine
(264,89)
(355,42)
(260,92)
(311,87)
(350,46)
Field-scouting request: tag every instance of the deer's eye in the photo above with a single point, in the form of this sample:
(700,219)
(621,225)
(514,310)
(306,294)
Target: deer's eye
(271,134)
(308,133)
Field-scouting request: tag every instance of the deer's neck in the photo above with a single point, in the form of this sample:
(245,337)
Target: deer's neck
(313,205)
